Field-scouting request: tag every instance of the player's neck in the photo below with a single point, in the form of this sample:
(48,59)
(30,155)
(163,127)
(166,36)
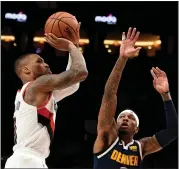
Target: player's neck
(126,138)
(25,81)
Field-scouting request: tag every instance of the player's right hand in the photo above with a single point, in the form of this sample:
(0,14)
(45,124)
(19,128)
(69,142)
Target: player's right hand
(58,43)
(127,48)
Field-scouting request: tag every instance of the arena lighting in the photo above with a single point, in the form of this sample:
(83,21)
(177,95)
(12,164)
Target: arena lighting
(138,43)
(20,17)
(110,19)
(8,38)
(41,40)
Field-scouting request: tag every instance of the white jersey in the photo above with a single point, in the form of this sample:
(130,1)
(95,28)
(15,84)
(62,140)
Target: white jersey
(34,127)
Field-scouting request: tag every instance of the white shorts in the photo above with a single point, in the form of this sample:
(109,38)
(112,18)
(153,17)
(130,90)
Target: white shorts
(25,158)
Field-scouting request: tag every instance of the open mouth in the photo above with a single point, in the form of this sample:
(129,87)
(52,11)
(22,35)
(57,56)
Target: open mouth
(124,124)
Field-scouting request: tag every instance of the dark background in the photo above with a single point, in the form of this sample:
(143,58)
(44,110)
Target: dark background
(76,118)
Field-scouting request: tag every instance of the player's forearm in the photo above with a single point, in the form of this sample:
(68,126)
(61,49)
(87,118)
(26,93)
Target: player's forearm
(109,101)
(115,77)
(77,73)
(69,62)
(164,137)
(74,87)
(78,65)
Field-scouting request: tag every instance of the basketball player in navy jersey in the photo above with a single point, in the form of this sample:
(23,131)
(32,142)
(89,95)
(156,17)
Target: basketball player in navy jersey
(115,147)
(35,104)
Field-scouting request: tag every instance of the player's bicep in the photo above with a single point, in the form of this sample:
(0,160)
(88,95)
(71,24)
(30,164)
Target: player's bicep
(149,145)
(104,139)
(107,112)
(50,82)
(61,94)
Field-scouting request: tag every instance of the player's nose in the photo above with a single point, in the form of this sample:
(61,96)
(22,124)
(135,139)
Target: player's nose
(46,65)
(125,118)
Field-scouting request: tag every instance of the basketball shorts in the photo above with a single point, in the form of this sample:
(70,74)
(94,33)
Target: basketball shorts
(25,158)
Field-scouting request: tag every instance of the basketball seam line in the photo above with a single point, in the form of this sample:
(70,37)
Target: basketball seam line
(53,24)
(48,23)
(61,18)
(54,21)
(60,30)
(71,28)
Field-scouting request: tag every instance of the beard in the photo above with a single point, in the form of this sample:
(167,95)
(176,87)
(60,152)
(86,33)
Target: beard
(122,132)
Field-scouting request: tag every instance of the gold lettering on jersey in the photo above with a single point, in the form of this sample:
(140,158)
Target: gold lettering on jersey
(133,148)
(130,160)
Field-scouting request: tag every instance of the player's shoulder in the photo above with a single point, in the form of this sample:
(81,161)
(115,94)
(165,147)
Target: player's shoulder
(137,143)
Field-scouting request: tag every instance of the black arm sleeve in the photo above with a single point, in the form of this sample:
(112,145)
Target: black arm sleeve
(166,136)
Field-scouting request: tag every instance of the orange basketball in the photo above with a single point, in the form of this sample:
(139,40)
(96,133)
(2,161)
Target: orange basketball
(63,25)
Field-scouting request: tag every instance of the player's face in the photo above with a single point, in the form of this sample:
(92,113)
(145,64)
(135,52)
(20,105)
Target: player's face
(127,123)
(38,66)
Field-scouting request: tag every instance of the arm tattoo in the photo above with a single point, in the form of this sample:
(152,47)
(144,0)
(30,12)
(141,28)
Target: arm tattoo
(149,145)
(115,77)
(109,101)
(75,74)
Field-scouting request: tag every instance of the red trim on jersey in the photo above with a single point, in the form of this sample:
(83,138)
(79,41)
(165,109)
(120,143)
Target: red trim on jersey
(19,90)
(47,114)
(44,104)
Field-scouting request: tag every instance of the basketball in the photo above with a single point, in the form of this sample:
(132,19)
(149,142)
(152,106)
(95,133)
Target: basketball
(63,25)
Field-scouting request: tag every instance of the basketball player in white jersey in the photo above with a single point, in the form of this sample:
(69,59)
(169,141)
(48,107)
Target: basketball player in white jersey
(35,103)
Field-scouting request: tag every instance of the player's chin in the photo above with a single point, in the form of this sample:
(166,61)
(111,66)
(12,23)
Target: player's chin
(123,132)
(122,128)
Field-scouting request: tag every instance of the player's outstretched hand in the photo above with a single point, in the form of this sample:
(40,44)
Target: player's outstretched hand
(127,48)
(58,43)
(160,81)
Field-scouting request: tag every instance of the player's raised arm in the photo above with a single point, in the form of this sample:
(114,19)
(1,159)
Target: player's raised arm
(166,136)
(61,94)
(77,72)
(106,124)
(109,100)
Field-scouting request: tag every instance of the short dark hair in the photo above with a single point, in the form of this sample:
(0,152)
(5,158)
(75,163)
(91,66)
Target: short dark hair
(18,63)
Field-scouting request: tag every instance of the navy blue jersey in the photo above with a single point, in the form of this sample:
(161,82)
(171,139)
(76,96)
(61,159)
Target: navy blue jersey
(119,155)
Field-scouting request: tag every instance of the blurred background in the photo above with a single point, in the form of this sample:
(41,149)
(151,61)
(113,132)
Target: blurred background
(22,31)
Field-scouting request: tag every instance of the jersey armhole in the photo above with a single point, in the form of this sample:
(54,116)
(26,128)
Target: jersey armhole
(140,148)
(42,105)
(45,103)
(101,154)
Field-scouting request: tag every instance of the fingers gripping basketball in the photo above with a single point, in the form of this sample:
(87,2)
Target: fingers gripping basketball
(63,25)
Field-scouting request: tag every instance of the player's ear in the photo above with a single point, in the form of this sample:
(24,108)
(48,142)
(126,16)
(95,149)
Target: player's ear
(136,130)
(26,70)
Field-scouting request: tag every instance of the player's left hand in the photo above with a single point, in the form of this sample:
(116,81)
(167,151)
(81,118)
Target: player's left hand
(57,43)
(160,81)
(127,48)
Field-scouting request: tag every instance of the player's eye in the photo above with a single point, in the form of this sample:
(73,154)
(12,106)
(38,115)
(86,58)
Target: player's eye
(131,117)
(39,60)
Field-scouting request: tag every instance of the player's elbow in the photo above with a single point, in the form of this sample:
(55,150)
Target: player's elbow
(173,131)
(74,88)
(81,74)
(172,128)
